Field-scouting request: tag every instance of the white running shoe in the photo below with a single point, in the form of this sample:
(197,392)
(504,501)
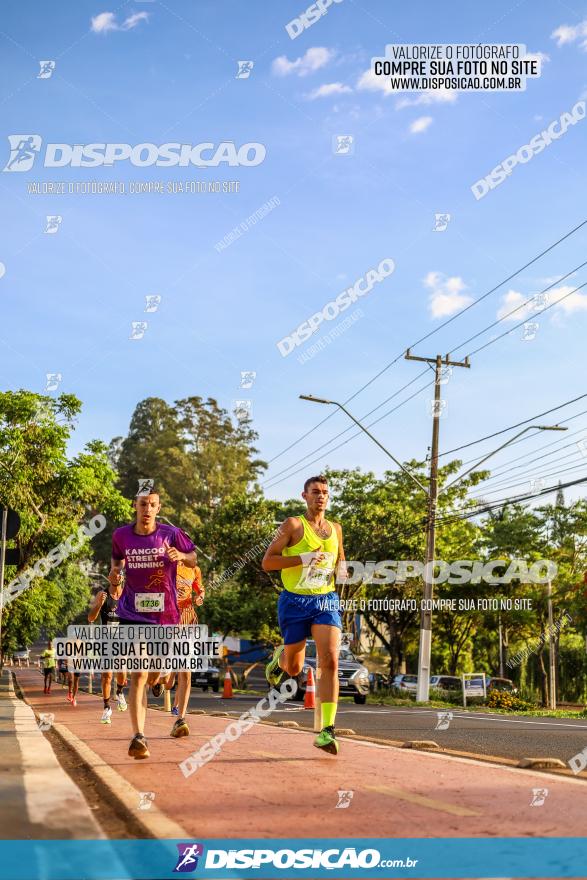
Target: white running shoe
(106,716)
(122,706)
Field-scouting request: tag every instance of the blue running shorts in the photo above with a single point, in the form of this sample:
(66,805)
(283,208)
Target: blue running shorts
(297,613)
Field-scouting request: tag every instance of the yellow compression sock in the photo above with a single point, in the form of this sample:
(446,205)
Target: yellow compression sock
(328,714)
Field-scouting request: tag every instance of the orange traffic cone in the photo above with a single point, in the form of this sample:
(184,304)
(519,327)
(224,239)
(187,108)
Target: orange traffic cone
(310,695)
(227,691)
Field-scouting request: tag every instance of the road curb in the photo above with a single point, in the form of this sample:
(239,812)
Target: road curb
(423,745)
(542,763)
(155,823)
(496,760)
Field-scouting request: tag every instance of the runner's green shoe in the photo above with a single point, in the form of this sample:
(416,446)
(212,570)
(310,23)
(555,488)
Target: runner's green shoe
(326,740)
(273,670)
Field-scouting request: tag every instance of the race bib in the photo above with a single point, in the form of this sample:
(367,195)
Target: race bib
(319,574)
(146,603)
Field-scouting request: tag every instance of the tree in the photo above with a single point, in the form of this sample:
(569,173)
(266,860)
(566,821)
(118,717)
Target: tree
(240,596)
(193,452)
(53,496)
(557,533)
(232,609)
(384,519)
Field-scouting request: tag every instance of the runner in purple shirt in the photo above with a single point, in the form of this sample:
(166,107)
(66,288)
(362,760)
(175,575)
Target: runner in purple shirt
(148,551)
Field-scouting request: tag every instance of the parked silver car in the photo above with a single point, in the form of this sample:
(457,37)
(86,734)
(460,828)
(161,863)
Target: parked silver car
(353,677)
(405,682)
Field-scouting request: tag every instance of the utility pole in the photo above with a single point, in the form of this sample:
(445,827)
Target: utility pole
(426,614)
(551,652)
(432,495)
(500,632)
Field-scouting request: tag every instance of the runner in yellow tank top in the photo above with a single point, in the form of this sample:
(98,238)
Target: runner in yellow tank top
(307,551)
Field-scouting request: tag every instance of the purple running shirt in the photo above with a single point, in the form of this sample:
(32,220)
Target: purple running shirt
(149,594)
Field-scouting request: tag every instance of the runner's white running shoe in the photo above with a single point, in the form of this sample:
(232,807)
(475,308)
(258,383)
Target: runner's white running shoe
(106,716)
(122,706)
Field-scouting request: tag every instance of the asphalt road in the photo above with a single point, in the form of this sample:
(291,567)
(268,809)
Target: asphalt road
(513,737)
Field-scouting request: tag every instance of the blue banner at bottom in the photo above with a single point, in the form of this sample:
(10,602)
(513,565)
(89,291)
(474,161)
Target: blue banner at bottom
(290,858)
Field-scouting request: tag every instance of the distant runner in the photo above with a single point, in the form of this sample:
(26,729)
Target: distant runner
(72,687)
(62,671)
(307,551)
(149,552)
(105,606)
(48,658)
(189,585)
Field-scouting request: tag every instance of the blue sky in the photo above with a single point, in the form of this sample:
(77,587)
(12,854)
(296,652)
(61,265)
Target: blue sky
(162,72)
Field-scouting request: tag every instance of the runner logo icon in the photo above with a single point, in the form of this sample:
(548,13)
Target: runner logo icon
(23,151)
(187,860)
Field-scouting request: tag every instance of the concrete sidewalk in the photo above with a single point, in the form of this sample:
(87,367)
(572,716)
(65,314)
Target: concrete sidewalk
(39,800)
(273,783)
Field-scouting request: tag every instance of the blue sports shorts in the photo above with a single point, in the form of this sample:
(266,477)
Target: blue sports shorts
(297,613)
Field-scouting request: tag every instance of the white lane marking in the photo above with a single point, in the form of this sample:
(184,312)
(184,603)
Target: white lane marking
(492,717)
(466,716)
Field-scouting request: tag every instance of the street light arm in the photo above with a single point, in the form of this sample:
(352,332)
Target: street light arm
(499,448)
(369,434)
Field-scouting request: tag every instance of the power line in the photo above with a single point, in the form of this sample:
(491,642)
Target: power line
(528,477)
(346,430)
(428,335)
(535,434)
(517,499)
(523,321)
(487,508)
(501,471)
(521,306)
(272,481)
(504,502)
(511,427)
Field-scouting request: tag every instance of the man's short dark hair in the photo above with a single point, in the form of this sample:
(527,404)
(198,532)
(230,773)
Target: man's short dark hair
(319,479)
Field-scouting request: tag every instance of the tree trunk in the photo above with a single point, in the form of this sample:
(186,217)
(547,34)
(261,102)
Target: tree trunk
(543,676)
(389,644)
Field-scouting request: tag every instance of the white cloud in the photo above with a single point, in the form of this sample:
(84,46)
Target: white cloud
(446,294)
(510,301)
(430,96)
(106,21)
(368,82)
(542,57)
(314,59)
(328,89)
(576,302)
(565,34)
(420,124)
(133,20)
(561,298)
